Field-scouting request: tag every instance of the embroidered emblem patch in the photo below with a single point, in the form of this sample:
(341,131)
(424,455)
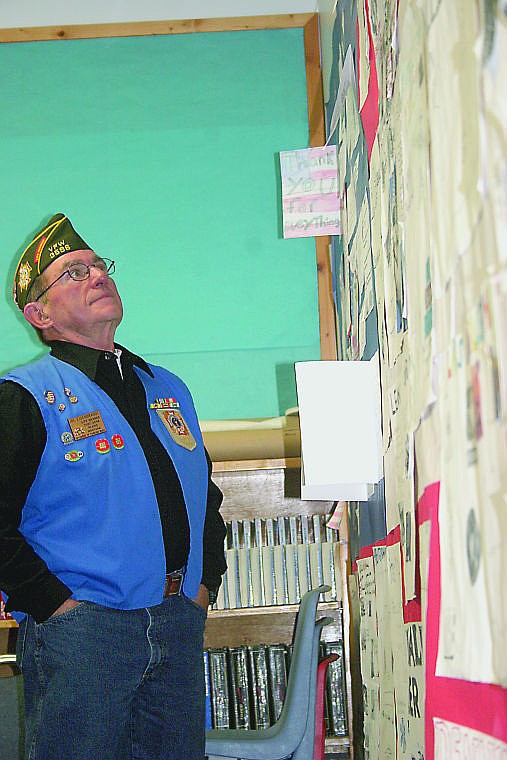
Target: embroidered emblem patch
(177,427)
(24,276)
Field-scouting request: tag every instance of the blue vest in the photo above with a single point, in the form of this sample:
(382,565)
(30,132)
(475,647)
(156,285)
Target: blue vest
(91,513)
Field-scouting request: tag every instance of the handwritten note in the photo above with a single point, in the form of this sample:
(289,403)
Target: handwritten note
(453,742)
(310,201)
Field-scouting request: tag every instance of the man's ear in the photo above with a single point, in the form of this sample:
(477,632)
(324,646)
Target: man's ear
(35,315)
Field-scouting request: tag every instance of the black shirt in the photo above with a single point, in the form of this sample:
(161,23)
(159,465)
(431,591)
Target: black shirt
(23,574)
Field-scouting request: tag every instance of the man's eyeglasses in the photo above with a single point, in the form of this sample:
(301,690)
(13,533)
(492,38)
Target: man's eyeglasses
(80,271)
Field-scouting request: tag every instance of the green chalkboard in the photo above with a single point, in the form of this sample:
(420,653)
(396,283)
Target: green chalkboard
(163,152)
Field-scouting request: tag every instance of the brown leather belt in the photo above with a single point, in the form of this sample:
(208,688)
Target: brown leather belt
(173,583)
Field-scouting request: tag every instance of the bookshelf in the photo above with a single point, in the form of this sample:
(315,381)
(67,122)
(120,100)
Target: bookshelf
(264,488)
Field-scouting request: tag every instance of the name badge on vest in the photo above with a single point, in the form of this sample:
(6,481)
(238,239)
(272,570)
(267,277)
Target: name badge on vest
(177,427)
(86,425)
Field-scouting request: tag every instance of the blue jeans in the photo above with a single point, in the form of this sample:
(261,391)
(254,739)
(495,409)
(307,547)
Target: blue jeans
(104,684)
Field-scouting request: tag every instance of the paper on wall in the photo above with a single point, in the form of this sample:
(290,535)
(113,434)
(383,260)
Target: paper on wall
(310,202)
(454,742)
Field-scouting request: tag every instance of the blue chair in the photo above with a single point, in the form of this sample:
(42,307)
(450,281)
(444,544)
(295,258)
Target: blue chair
(293,735)
(11,709)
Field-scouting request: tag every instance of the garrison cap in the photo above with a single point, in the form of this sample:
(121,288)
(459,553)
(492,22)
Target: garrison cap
(57,237)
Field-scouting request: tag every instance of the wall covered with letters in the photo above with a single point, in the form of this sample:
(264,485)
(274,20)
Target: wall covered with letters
(416,107)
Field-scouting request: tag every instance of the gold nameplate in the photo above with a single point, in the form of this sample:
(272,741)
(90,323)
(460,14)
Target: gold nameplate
(177,427)
(86,425)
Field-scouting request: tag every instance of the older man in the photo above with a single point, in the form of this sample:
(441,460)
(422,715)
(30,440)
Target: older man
(111,542)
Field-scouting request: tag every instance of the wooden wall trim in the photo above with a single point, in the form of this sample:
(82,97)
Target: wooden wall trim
(316,122)
(147,28)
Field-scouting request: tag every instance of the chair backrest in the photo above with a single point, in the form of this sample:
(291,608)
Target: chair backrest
(11,710)
(303,665)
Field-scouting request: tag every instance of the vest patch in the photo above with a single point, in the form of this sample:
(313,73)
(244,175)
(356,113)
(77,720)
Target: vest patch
(177,427)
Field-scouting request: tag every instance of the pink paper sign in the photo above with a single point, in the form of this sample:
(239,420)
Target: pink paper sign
(310,201)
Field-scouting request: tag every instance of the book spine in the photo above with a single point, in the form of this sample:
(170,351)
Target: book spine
(234,534)
(277,669)
(269,564)
(330,567)
(222,602)
(259,677)
(317,552)
(233,569)
(335,690)
(220,699)
(250,539)
(239,682)
(256,577)
(281,563)
(291,574)
(328,571)
(305,534)
(259,575)
(232,578)
(295,590)
(302,555)
(245,569)
(207,691)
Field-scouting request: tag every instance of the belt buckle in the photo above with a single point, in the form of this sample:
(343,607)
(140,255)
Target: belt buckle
(173,583)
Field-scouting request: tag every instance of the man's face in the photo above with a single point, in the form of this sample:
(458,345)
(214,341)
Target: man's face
(81,310)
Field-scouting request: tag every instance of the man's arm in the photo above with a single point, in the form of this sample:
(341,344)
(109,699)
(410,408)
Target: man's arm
(214,565)
(24,576)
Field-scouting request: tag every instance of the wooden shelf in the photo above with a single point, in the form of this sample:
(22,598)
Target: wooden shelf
(271,490)
(267,625)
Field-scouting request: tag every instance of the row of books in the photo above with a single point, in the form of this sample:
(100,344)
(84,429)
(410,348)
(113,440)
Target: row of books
(246,686)
(275,561)
(271,531)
